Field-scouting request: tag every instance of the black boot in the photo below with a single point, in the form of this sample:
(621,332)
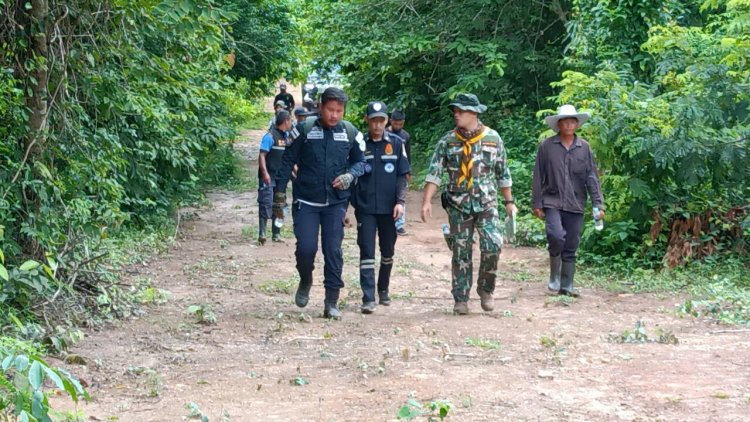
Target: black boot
(567,272)
(303,291)
(555,266)
(331,309)
(384,280)
(262,230)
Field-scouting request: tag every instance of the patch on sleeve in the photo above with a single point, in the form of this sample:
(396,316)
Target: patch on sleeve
(293,134)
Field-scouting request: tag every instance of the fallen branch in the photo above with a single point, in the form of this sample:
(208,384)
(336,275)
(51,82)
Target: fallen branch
(305,338)
(729,331)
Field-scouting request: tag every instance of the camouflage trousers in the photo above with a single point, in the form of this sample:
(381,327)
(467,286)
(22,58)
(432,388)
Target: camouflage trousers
(461,242)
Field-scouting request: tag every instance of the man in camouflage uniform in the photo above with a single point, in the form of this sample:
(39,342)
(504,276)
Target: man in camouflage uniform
(475,160)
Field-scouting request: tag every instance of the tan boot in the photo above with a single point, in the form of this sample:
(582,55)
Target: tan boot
(461,308)
(488,302)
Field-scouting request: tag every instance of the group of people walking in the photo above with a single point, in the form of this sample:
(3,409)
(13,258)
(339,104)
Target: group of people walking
(331,165)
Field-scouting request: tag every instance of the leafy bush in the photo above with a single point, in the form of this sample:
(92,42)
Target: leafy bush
(22,379)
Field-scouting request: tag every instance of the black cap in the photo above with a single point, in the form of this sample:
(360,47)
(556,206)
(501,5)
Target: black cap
(398,115)
(300,111)
(282,85)
(377,109)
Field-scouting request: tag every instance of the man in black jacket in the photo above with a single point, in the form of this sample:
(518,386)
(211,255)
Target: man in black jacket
(329,157)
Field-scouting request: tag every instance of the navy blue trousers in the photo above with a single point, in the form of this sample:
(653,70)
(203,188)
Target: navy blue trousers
(327,221)
(563,233)
(368,225)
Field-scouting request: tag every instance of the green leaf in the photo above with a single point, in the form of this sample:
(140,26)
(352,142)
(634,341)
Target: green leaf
(24,417)
(22,362)
(54,377)
(36,375)
(4,273)
(38,406)
(29,265)
(7,362)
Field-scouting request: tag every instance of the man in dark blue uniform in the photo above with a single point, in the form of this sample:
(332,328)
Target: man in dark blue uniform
(272,147)
(396,127)
(329,155)
(378,200)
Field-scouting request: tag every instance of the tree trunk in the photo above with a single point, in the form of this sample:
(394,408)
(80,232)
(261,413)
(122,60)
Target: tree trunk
(36,101)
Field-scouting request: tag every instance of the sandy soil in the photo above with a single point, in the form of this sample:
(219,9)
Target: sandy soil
(530,359)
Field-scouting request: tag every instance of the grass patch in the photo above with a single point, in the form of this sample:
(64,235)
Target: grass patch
(719,289)
(483,344)
(285,285)
(640,335)
(226,169)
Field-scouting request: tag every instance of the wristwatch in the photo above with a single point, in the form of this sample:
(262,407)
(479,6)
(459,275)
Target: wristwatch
(510,201)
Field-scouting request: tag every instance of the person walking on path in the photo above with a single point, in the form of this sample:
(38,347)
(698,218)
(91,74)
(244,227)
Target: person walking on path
(475,159)
(564,173)
(396,127)
(329,155)
(378,200)
(272,147)
(284,96)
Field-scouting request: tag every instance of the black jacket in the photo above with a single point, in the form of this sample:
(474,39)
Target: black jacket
(383,185)
(321,155)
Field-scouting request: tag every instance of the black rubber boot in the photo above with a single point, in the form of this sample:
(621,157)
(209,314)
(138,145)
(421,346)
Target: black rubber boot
(385,299)
(303,291)
(567,272)
(555,266)
(331,309)
(262,222)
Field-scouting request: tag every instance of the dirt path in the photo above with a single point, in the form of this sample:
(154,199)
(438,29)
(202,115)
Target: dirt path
(528,360)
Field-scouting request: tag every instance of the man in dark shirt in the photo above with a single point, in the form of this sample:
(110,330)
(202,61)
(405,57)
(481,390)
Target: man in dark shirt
(378,200)
(565,172)
(284,96)
(396,127)
(328,154)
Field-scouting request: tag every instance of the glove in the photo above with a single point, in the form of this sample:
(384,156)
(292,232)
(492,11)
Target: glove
(345,180)
(279,203)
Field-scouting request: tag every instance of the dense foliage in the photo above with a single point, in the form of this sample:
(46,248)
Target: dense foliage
(111,114)
(666,83)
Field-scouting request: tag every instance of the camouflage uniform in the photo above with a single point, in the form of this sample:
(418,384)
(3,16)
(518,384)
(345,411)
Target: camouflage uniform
(472,207)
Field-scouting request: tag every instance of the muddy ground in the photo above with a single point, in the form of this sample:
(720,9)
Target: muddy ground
(533,358)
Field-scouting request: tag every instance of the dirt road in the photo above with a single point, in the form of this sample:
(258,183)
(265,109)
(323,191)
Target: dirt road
(266,360)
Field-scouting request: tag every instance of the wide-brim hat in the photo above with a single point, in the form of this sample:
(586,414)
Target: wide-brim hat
(566,111)
(468,102)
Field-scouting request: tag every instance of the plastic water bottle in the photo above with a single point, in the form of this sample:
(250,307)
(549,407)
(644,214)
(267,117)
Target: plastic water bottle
(446,230)
(510,227)
(279,222)
(598,222)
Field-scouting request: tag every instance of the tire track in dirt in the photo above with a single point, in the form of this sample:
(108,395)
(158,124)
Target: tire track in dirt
(265,359)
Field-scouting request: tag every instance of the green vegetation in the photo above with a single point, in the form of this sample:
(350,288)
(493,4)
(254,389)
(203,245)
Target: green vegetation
(666,83)
(432,410)
(113,114)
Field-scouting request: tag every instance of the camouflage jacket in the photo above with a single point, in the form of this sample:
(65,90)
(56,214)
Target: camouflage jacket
(490,171)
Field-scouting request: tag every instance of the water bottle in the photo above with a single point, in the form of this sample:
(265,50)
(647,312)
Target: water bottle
(510,227)
(279,222)
(446,230)
(598,222)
